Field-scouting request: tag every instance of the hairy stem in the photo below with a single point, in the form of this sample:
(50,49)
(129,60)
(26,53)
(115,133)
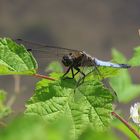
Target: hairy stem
(126,124)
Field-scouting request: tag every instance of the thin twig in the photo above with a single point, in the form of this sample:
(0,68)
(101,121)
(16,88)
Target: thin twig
(139,31)
(16,91)
(44,76)
(126,124)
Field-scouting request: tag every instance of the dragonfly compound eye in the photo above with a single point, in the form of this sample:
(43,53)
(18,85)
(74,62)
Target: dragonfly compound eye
(67,60)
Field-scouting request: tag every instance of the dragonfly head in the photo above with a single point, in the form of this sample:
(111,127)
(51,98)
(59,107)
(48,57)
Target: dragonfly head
(67,60)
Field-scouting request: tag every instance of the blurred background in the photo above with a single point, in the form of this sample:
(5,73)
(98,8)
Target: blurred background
(94,26)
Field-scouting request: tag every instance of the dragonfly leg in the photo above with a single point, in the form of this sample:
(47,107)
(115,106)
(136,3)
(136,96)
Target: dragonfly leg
(81,80)
(73,74)
(67,71)
(76,73)
(78,70)
(70,68)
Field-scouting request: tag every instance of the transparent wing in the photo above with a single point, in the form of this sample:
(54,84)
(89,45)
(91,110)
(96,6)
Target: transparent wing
(44,54)
(45,51)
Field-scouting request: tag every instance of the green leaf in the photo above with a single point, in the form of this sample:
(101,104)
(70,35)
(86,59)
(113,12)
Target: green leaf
(32,128)
(54,67)
(90,134)
(118,57)
(4,110)
(88,104)
(122,83)
(101,72)
(134,61)
(2,95)
(15,59)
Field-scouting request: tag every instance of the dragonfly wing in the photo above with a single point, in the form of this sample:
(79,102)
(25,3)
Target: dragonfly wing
(109,64)
(49,50)
(44,54)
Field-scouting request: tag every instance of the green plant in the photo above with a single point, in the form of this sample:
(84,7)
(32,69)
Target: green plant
(59,109)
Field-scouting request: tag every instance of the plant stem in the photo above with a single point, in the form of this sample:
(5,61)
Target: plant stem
(126,124)
(16,91)
(43,76)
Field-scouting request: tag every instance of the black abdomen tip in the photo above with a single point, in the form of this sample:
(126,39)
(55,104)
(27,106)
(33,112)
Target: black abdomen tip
(125,66)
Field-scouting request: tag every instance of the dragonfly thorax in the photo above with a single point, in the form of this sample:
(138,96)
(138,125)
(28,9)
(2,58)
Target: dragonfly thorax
(72,59)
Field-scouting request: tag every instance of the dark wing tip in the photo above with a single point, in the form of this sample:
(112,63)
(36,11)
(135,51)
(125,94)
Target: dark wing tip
(29,50)
(125,66)
(18,39)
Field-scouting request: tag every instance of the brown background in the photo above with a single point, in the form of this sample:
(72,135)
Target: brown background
(91,25)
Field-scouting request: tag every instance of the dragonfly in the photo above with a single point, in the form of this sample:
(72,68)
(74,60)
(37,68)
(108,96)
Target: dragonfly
(71,58)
